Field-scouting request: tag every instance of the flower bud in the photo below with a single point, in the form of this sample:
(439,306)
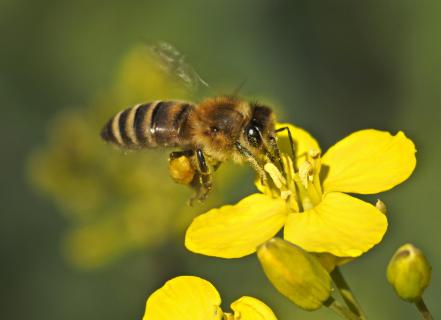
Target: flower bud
(409,272)
(380,205)
(295,273)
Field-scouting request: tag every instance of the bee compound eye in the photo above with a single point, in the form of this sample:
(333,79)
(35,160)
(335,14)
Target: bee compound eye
(214,129)
(253,136)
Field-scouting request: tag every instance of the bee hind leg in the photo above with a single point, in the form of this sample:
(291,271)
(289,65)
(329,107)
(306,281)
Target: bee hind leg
(189,167)
(202,182)
(202,186)
(181,167)
(177,154)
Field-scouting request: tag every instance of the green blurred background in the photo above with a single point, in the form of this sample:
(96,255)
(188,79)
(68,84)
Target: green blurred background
(89,233)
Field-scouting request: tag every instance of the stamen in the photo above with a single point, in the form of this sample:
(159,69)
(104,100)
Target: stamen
(275,174)
(302,189)
(305,173)
(305,202)
(284,194)
(308,179)
(289,169)
(314,156)
(314,153)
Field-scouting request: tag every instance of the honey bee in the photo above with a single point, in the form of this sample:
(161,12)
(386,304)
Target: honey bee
(211,132)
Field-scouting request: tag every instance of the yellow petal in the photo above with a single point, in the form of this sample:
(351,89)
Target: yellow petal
(235,231)
(341,225)
(261,187)
(369,161)
(303,142)
(184,298)
(249,308)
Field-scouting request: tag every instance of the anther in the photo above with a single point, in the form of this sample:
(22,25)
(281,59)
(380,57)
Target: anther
(305,173)
(314,153)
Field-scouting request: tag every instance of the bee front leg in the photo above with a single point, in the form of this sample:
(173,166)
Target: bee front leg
(291,140)
(253,162)
(278,157)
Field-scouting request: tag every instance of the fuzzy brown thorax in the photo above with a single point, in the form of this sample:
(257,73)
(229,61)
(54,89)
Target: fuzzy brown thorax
(217,124)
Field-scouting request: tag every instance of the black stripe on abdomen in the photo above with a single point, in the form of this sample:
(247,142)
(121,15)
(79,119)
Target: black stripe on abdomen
(107,133)
(160,125)
(140,123)
(124,127)
(181,117)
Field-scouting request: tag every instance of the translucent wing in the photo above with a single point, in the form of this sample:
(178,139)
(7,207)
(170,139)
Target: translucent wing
(173,62)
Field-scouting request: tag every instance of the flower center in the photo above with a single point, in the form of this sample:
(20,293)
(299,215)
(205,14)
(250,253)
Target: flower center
(301,186)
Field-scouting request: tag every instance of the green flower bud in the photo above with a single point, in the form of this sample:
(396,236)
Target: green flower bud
(409,272)
(296,274)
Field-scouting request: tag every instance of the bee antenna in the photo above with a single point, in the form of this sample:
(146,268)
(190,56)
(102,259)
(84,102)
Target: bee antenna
(238,88)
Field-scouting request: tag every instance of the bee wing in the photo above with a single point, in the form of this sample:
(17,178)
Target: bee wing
(174,64)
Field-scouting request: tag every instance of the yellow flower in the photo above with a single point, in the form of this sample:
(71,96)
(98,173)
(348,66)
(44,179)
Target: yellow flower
(193,298)
(309,200)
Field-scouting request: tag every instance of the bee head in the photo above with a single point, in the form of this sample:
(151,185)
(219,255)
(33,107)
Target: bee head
(218,125)
(257,133)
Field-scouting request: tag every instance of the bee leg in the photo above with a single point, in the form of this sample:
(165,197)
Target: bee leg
(205,176)
(197,186)
(216,165)
(291,140)
(276,149)
(184,170)
(177,154)
(253,162)
(181,167)
(201,182)
(265,147)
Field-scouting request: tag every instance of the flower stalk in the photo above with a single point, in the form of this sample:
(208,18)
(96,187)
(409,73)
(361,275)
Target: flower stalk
(347,294)
(340,309)
(422,308)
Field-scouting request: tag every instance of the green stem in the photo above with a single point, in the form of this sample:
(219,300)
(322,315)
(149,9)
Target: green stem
(422,308)
(340,309)
(347,294)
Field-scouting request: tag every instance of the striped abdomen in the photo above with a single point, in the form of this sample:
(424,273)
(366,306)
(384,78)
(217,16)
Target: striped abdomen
(150,125)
